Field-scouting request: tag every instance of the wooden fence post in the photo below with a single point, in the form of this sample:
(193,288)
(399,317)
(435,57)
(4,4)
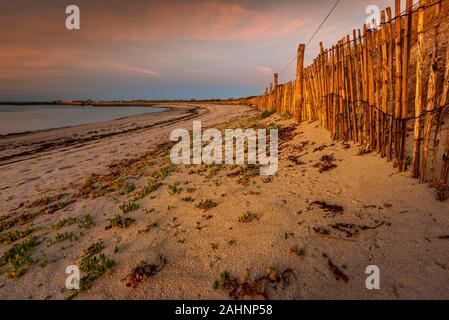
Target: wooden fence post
(351,70)
(359,84)
(385,80)
(430,107)
(371,89)
(440,116)
(405,66)
(390,85)
(365,85)
(334,91)
(275,93)
(265,104)
(419,94)
(398,89)
(378,82)
(327,89)
(445,166)
(299,88)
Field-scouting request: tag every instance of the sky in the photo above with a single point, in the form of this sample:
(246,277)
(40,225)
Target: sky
(172,49)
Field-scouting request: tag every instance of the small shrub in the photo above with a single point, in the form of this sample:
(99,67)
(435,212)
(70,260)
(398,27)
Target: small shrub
(219,284)
(129,187)
(206,204)
(119,221)
(95,268)
(19,256)
(174,189)
(64,222)
(247,217)
(60,237)
(10,237)
(129,206)
(164,172)
(94,248)
(145,190)
(266,113)
(86,222)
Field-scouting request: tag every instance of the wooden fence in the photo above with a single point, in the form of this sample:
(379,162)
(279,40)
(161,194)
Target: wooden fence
(384,88)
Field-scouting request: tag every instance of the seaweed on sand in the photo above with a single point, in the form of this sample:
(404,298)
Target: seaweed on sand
(144,271)
(257,288)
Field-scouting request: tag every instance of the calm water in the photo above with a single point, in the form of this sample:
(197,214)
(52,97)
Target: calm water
(14,119)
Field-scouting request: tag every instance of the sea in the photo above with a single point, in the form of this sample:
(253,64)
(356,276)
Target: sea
(26,118)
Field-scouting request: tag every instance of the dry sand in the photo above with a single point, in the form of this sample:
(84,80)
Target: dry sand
(396,222)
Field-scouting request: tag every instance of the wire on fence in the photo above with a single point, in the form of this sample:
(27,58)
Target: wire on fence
(386,114)
(314,34)
(415,8)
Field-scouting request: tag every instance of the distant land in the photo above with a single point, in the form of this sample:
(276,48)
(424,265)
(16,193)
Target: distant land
(90,102)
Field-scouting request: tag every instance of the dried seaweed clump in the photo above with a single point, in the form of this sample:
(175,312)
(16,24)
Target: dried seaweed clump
(326,163)
(330,209)
(257,288)
(144,271)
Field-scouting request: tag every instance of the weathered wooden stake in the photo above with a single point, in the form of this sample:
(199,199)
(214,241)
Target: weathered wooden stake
(371,91)
(384,82)
(398,89)
(299,95)
(390,85)
(419,94)
(440,115)
(430,108)
(405,85)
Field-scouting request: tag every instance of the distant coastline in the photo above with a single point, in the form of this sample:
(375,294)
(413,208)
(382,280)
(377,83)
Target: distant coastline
(22,119)
(124,103)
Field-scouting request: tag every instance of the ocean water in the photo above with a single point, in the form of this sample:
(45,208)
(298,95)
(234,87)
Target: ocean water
(23,118)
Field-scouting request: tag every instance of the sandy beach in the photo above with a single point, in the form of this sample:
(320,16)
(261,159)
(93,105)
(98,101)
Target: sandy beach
(309,232)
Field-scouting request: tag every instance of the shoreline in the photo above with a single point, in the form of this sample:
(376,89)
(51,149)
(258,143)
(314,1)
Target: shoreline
(12,134)
(22,146)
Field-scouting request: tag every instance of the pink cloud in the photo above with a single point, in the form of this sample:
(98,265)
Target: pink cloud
(235,22)
(129,68)
(23,62)
(153,21)
(264,70)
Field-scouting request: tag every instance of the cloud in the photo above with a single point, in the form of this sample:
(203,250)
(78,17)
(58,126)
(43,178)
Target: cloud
(128,68)
(198,71)
(25,63)
(264,70)
(143,21)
